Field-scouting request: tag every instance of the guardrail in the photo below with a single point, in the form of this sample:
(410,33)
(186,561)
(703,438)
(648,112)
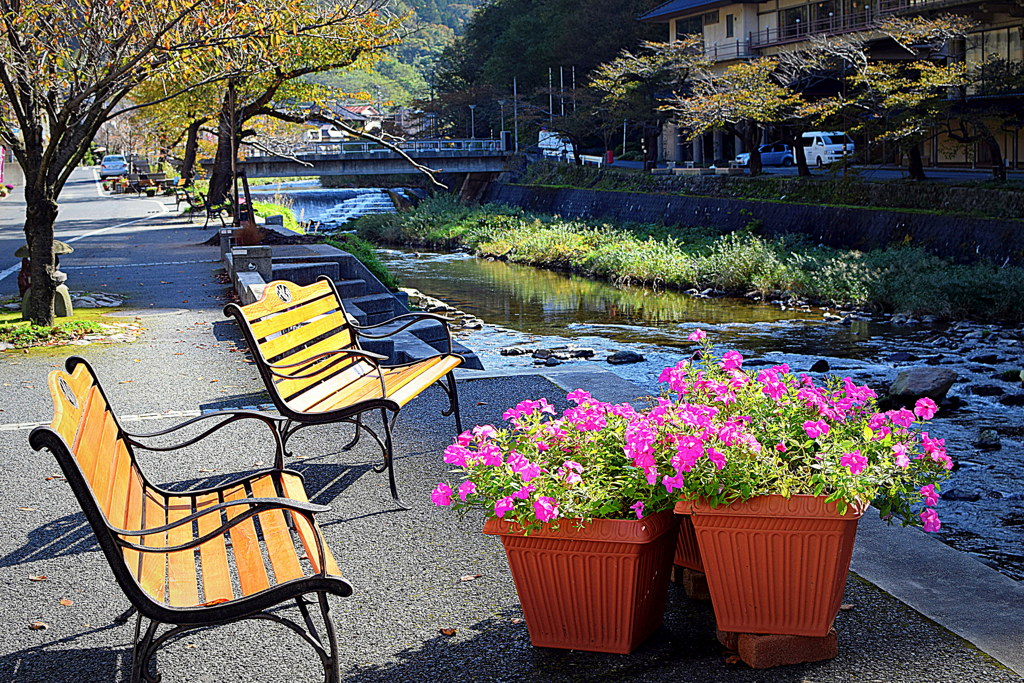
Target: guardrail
(410,147)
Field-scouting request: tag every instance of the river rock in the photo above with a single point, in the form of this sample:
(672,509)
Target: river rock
(902,357)
(543,354)
(820,365)
(934,360)
(580,352)
(988,439)
(1014,375)
(1012,400)
(961,495)
(516,351)
(920,382)
(985,359)
(551,362)
(623,357)
(987,390)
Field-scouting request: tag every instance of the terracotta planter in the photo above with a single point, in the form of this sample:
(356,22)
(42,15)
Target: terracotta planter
(687,550)
(599,588)
(776,565)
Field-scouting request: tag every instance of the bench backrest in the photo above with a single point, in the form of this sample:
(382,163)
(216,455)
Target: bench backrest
(100,467)
(290,324)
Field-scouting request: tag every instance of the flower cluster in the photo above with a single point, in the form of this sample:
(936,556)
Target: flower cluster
(718,432)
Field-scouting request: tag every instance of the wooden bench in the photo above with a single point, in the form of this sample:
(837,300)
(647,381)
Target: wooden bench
(169,550)
(307,350)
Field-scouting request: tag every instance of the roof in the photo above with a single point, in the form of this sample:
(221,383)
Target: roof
(677,8)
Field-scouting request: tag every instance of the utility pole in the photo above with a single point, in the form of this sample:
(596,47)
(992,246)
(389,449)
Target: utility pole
(515,109)
(472,122)
(574,87)
(551,96)
(561,89)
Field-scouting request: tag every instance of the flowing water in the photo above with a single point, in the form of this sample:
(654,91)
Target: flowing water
(983,505)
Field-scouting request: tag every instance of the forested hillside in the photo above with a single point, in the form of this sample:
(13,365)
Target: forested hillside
(403,75)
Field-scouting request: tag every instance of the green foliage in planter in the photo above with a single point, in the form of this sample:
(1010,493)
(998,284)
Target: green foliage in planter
(367,255)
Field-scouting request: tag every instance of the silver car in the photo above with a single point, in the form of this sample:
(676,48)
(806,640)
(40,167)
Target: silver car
(776,154)
(113,166)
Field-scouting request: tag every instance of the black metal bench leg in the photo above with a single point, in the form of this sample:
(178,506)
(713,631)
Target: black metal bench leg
(143,652)
(453,401)
(332,670)
(123,618)
(389,458)
(355,438)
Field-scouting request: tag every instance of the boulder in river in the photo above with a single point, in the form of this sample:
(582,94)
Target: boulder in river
(987,390)
(902,357)
(821,365)
(623,357)
(920,382)
(516,351)
(988,439)
(1012,400)
(985,359)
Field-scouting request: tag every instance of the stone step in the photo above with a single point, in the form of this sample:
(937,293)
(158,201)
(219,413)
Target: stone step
(306,273)
(350,289)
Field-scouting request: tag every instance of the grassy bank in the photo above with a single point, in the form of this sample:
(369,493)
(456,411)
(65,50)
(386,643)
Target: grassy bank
(265,209)
(366,254)
(899,280)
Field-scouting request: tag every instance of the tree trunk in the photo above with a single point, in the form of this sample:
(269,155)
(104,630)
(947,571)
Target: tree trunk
(751,135)
(916,168)
(188,163)
(795,143)
(998,168)
(40,215)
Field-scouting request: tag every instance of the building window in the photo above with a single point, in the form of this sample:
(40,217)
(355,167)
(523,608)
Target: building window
(688,27)
(730,20)
(712,18)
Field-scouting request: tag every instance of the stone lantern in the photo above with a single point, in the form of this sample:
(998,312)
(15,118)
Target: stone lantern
(62,297)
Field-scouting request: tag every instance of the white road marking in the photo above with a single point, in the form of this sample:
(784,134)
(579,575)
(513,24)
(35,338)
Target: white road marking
(17,266)
(142,265)
(99,183)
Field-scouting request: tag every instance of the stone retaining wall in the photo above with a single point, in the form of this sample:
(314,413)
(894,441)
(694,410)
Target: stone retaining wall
(959,238)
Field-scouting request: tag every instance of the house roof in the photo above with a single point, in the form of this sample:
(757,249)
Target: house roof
(677,8)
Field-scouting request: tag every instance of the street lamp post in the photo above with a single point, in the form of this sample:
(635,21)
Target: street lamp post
(501,103)
(472,122)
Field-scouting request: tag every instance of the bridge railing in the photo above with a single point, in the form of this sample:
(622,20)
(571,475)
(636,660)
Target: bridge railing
(411,147)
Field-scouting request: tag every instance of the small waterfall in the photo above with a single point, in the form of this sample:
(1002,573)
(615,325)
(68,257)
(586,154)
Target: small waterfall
(364,202)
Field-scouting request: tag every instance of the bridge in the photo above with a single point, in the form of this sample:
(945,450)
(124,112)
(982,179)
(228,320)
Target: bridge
(369,158)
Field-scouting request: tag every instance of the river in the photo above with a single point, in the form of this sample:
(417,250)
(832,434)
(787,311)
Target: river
(983,503)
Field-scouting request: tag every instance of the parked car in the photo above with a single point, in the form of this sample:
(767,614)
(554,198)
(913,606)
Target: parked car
(775,154)
(823,147)
(113,166)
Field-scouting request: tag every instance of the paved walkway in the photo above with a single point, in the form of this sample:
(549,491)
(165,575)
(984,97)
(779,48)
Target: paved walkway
(405,566)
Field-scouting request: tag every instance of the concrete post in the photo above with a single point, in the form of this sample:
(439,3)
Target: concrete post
(717,144)
(698,150)
(738,144)
(254,260)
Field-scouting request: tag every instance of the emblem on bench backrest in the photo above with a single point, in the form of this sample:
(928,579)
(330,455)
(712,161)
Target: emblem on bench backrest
(66,390)
(283,293)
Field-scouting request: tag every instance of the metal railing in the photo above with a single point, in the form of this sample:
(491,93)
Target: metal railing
(738,49)
(410,147)
(860,20)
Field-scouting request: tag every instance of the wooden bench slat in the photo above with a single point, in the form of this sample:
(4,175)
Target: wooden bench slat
(151,567)
(333,323)
(113,499)
(292,487)
(277,535)
(213,554)
(67,416)
(269,302)
(90,435)
(103,477)
(307,310)
(410,390)
(252,573)
(353,376)
(401,384)
(342,340)
(326,370)
(182,587)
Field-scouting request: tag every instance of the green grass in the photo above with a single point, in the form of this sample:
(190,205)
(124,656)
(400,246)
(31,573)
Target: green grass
(898,279)
(367,255)
(265,209)
(23,334)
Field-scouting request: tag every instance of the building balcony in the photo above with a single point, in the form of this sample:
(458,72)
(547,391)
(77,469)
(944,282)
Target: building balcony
(728,50)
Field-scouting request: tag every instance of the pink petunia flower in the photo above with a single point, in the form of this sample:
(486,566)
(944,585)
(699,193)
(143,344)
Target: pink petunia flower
(442,495)
(931,498)
(545,508)
(503,505)
(931,521)
(816,428)
(579,396)
(466,489)
(855,461)
(900,451)
(697,335)
(638,509)
(732,360)
(925,408)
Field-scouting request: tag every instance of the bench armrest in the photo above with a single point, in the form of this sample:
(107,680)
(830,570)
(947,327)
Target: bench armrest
(229,416)
(410,319)
(368,355)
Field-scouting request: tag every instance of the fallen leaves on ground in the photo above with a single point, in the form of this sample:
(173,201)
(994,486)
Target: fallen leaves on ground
(449,632)
(41,577)
(469,577)
(23,509)
(516,620)
(845,607)
(39,626)
(66,602)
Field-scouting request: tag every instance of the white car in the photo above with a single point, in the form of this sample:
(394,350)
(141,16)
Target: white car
(113,166)
(825,147)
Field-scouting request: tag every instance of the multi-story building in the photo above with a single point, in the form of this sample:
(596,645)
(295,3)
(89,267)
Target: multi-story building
(736,30)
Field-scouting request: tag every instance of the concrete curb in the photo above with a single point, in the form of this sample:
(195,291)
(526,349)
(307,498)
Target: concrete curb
(945,585)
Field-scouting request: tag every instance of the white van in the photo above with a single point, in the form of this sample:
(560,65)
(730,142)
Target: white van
(825,147)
